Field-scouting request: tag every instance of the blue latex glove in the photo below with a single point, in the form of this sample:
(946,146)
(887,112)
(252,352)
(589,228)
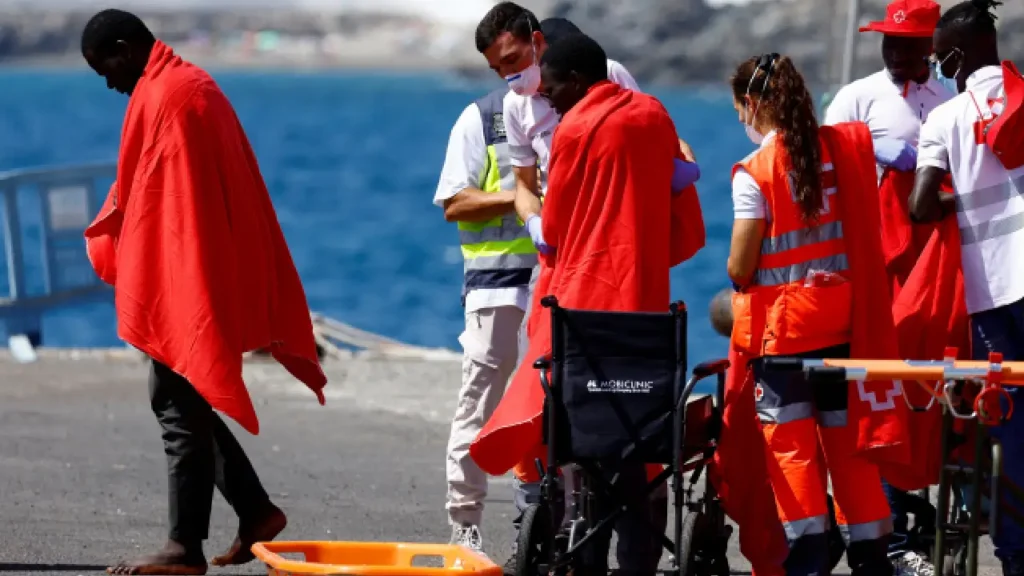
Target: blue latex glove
(533,227)
(896,154)
(684,174)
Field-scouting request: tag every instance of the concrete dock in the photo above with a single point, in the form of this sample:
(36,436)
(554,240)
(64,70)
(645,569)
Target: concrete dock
(83,475)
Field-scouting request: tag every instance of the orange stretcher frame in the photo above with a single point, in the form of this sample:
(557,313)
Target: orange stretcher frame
(371,559)
(922,370)
(991,402)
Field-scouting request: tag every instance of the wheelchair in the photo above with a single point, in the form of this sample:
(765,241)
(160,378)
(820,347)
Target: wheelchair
(616,394)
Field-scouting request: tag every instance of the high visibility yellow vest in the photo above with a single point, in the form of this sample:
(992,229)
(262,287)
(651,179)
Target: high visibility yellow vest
(498,253)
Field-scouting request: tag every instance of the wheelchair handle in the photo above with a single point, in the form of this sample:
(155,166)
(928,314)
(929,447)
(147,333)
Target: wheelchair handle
(700,372)
(710,368)
(542,363)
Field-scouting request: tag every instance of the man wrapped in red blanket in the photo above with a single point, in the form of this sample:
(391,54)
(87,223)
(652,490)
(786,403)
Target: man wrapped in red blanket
(616,228)
(189,239)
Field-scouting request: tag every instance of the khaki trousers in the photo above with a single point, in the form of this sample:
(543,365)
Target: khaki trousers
(490,346)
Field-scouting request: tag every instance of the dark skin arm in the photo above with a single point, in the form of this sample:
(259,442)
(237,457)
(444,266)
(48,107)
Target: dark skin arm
(927,202)
(474,205)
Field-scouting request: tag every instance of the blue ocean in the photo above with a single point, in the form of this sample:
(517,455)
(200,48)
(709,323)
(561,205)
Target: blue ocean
(352,162)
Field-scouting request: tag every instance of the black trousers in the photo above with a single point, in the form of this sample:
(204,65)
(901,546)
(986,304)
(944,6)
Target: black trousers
(201,453)
(639,528)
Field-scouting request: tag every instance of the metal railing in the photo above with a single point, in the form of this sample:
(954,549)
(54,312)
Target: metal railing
(45,212)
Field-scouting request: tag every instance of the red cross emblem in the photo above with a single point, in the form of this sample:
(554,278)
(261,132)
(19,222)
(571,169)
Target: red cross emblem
(981,127)
(899,17)
(880,394)
(758,393)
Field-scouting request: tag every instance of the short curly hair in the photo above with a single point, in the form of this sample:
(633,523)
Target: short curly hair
(577,53)
(106,28)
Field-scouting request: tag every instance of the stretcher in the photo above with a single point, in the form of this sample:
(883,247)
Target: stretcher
(965,390)
(372,559)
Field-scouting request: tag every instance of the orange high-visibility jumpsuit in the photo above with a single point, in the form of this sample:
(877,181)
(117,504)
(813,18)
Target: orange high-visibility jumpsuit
(799,304)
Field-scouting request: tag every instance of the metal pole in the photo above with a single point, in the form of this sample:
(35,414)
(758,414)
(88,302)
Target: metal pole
(850,47)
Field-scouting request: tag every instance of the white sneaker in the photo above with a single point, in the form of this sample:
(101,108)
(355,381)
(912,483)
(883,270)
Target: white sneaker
(911,564)
(467,536)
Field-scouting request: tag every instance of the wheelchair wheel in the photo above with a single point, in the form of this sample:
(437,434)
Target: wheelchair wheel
(686,560)
(533,545)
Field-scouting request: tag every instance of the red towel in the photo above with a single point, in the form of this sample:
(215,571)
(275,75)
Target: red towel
(880,416)
(930,314)
(190,241)
(740,474)
(617,230)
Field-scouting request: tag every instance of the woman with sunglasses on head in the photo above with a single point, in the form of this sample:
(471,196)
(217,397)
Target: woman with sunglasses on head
(807,262)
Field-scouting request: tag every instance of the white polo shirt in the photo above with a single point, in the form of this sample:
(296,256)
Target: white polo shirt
(990,210)
(890,109)
(530,122)
(463,166)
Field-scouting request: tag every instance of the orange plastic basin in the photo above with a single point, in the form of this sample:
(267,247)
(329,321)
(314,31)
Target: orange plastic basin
(372,559)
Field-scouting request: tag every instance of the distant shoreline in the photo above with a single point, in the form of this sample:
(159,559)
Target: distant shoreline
(74,61)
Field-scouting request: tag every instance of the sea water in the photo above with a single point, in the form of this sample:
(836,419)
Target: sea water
(352,162)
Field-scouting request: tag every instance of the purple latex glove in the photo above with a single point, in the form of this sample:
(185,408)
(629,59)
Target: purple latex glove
(684,174)
(896,154)
(533,227)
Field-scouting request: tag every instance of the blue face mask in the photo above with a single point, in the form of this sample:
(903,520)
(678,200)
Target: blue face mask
(949,83)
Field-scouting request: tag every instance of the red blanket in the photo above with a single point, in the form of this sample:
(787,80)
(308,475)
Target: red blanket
(930,314)
(740,462)
(190,241)
(740,474)
(875,408)
(902,241)
(617,230)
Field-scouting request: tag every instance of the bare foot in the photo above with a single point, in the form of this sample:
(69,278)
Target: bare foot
(173,560)
(263,531)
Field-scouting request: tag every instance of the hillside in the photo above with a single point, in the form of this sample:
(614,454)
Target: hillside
(688,41)
(660,41)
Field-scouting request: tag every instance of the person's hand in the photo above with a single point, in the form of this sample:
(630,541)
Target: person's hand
(687,151)
(684,174)
(895,153)
(533,227)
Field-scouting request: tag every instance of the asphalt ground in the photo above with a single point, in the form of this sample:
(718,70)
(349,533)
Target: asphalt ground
(83,475)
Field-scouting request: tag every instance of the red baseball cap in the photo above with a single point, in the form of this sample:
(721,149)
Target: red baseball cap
(909,18)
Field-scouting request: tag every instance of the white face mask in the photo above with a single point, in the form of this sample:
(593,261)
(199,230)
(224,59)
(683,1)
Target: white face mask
(756,137)
(527,82)
(949,83)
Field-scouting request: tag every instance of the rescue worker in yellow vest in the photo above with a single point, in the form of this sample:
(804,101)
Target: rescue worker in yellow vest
(477,190)
(788,259)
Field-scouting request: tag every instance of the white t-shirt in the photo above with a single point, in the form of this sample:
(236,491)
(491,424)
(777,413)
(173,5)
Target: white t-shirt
(530,122)
(463,165)
(748,202)
(990,210)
